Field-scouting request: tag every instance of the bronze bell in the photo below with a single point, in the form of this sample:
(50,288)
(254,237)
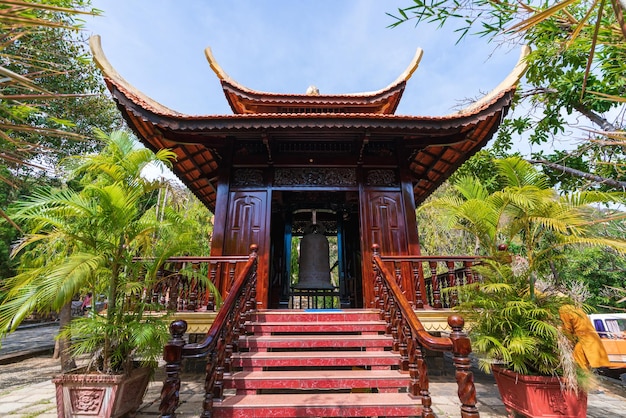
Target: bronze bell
(314,260)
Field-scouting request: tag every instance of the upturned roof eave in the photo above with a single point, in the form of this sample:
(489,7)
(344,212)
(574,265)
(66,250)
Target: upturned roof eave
(147,108)
(242,98)
(224,124)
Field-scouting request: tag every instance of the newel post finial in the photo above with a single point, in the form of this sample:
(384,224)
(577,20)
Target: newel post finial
(461,349)
(173,356)
(254,249)
(376,250)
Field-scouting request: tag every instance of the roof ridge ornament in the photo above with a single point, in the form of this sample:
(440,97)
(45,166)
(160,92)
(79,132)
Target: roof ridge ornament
(312,91)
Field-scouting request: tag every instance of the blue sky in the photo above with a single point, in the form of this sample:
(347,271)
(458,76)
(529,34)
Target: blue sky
(285,46)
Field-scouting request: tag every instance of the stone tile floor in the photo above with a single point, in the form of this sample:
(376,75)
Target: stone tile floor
(26,391)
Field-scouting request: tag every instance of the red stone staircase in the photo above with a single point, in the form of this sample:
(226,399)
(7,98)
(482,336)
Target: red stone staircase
(326,363)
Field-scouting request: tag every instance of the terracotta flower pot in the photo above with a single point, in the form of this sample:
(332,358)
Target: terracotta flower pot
(538,396)
(100,395)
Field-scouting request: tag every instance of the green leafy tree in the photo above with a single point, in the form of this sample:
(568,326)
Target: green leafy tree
(574,87)
(526,214)
(51,96)
(600,271)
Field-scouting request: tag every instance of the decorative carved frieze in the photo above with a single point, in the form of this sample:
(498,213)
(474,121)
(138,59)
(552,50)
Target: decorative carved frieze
(380,148)
(381,178)
(299,227)
(317,147)
(247,177)
(315,177)
(249,148)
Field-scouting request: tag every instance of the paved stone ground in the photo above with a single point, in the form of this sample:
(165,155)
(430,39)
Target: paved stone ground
(26,390)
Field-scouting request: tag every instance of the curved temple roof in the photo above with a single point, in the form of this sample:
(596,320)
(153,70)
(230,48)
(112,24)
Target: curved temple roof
(434,146)
(244,100)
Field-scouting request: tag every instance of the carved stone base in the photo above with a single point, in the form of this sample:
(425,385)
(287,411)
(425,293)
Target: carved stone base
(98,395)
(538,396)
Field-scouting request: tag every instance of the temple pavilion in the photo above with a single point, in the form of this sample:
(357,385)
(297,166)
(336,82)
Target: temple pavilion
(347,161)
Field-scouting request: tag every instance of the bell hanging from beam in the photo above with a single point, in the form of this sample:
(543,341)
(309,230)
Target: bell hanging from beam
(314,259)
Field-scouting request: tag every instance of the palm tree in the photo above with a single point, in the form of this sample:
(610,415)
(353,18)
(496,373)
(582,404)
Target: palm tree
(509,322)
(526,215)
(86,239)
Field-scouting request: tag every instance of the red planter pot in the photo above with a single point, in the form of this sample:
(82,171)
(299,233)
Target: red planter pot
(538,396)
(99,395)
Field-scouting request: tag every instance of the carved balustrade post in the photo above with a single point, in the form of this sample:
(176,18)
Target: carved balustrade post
(254,249)
(417,279)
(423,383)
(173,356)
(392,323)
(209,383)
(231,274)
(454,299)
(232,336)
(403,347)
(435,284)
(464,376)
(469,275)
(389,307)
(193,289)
(212,279)
(183,292)
(398,271)
(377,291)
(217,381)
(174,289)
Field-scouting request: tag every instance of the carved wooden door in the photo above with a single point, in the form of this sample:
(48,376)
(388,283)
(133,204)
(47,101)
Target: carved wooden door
(383,222)
(248,222)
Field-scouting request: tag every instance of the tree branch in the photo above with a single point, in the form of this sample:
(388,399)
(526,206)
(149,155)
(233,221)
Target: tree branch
(578,173)
(604,124)
(618,8)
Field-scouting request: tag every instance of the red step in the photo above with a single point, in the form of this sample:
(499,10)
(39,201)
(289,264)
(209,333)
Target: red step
(315,327)
(315,359)
(313,315)
(304,363)
(314,341)
(316,379)
(319,405)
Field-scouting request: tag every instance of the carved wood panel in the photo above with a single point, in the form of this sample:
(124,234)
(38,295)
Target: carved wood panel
(248,223)
(382,222)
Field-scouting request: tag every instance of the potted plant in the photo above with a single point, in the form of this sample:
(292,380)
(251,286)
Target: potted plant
(84,238)
(515,329)
(518,336)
